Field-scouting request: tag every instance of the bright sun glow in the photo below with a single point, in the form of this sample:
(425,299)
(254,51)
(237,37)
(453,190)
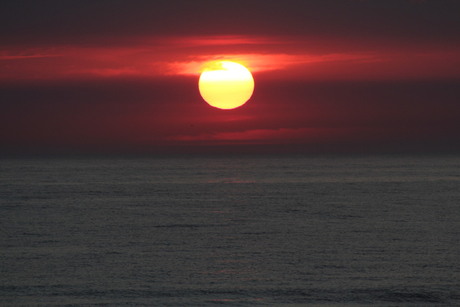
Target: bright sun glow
(225,84)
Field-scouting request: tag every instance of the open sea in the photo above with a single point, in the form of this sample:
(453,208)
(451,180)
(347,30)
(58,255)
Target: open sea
(238,230)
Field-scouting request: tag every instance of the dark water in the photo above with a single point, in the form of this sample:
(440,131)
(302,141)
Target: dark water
(237,231)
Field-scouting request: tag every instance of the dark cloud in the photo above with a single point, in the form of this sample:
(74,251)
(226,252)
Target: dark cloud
(105,20)
(156,113)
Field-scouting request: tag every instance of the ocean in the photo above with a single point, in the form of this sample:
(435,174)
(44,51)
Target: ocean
(230,230)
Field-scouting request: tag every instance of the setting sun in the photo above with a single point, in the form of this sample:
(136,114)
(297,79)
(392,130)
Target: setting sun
(225,84)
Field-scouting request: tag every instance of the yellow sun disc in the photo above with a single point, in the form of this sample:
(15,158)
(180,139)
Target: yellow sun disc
(226,85)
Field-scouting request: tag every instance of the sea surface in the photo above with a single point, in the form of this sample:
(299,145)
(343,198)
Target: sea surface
(236,230)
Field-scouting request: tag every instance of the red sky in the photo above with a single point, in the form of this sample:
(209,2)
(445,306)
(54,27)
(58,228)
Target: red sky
(330,76)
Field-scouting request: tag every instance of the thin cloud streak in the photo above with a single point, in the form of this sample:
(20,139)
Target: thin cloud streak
(272,136)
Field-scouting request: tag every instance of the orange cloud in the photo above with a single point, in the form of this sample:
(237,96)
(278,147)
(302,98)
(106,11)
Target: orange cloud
(264,62)
(188,55)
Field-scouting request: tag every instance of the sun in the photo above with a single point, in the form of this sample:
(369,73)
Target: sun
(225,84)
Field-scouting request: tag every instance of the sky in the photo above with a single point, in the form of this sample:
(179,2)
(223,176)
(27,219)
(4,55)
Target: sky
(331,76)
